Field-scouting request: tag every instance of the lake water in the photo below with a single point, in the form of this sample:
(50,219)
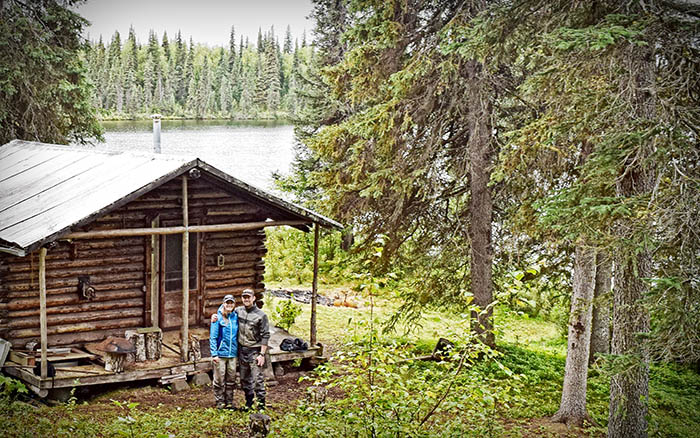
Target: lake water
(248,150)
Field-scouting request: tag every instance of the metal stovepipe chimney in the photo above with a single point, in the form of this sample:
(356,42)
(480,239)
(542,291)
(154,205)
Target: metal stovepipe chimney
(156,133)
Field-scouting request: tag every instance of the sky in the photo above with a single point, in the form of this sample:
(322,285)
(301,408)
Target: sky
(207,21)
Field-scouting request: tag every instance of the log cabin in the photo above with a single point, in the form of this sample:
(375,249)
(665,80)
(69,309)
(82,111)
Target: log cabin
(94,244)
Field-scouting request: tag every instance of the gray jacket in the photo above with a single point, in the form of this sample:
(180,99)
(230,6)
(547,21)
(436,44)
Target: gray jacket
(253,327)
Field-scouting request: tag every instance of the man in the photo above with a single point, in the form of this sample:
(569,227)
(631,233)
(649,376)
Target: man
(223,344)
(253,338)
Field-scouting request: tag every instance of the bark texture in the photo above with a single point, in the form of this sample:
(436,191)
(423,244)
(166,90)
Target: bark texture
(481,204)
(600,334)
(572,409)
(629,388)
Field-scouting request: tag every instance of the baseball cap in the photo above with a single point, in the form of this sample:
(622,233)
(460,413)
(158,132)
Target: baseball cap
(229,298)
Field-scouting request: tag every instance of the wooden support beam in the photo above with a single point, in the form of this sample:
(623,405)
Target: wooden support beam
(42,312)
(184,328)
(129,232)
(155,273)
(314,288)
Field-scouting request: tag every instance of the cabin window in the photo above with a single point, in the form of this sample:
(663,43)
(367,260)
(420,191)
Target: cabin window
(173,261)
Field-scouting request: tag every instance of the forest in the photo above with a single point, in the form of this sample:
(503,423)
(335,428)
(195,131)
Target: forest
(520,177)
(180,80)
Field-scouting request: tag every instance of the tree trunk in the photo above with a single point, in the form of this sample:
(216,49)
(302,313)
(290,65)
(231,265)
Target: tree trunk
(480,151)
(600,334)
(572,409)
(629,389)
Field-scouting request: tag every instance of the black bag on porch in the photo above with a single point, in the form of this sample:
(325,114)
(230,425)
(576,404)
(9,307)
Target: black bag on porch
(293,344)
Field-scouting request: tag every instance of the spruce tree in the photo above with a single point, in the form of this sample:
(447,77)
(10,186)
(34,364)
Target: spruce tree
(166,46)
(288,41)
(44,93)
(179,81)
(232,50)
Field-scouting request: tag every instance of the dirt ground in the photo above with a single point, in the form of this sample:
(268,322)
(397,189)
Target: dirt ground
(279,397)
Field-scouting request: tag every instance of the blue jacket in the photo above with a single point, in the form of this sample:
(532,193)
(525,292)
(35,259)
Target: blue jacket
(223,338)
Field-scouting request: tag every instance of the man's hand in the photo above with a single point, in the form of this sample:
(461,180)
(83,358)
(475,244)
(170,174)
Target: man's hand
(214,317)
(215,359)
(260,359)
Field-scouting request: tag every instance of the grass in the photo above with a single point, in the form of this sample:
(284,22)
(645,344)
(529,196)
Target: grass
(528,382)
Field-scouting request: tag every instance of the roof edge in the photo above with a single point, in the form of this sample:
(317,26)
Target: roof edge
(268,197)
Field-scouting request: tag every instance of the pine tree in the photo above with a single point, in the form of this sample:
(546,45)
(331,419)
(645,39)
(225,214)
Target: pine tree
(260,47)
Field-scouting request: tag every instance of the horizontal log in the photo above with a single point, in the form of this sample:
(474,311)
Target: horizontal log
(73,288)
(63,255)
(220,247)
(80,327)
(65,268)
(94,279)
(175,193)
(212,285)
(122,215)
(74,338)
(152,205)
(119,222)
(59,274)
(228,265)
(212,277)
(75,305)
(179,230)
(258,234)
(79,317)
(232,210)
(105,243)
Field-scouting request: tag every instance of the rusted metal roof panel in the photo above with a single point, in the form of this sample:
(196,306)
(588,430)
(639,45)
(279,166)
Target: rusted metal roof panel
(47,189)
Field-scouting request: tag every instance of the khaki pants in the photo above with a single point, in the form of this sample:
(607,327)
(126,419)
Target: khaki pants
(224,380)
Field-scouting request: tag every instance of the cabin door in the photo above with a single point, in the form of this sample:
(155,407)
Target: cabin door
(170,312)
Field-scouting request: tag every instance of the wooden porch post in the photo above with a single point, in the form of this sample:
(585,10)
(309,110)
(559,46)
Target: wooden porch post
(314,288)
(42,312)
(155,272)
(184,328)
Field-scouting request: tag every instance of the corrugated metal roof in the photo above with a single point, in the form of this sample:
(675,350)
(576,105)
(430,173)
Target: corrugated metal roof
(47,189)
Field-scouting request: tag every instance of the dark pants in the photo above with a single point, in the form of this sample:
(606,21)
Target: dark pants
(252,379)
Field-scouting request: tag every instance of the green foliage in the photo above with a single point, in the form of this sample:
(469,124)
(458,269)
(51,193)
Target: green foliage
(286,312)
(11,387)
(290,257)
(44,93)
(196,81)
(386,396)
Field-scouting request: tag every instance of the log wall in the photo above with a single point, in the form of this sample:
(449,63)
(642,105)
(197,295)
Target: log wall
(119,269)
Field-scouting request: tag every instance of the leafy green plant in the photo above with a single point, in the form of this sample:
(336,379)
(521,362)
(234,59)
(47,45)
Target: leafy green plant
(11,387)
(127,420)
(286,312)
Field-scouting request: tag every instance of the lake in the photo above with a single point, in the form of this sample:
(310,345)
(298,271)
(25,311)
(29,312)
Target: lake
(248,150)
